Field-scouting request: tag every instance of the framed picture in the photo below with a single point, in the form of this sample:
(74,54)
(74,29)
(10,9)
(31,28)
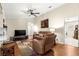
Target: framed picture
(44,23)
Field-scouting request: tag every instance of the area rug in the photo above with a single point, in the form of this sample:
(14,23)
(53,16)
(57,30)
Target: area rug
(25,49)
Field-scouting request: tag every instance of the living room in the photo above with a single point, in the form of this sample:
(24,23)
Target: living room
(23,23)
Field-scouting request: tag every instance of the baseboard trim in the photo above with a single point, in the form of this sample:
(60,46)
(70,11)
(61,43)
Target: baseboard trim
(60,42)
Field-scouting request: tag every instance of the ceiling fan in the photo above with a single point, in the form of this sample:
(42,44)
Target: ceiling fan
(31,12)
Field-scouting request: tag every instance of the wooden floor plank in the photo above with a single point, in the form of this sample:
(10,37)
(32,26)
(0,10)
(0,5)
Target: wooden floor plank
(65,50)
(58,50)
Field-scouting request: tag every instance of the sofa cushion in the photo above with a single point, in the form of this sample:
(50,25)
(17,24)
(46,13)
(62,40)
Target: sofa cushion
(41,35)
(38,37)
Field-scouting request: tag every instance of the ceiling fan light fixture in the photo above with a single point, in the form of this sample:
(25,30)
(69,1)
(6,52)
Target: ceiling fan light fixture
(50,7)
(26,9)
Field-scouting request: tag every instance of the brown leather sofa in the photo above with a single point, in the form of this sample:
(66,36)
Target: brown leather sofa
(43,42)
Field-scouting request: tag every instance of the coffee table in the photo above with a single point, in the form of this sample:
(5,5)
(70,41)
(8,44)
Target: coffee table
(25,47)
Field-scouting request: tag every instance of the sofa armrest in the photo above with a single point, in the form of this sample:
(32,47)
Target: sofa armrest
(38,46)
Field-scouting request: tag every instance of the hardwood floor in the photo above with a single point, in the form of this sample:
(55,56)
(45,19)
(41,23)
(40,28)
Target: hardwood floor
(64,50)
(57,50)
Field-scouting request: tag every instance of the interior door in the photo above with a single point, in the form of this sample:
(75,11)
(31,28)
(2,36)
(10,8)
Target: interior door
(71,31)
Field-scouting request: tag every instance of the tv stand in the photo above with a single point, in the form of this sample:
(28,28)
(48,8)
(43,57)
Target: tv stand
(17,38)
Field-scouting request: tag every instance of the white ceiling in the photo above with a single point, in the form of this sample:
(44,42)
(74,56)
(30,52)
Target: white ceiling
(14,10)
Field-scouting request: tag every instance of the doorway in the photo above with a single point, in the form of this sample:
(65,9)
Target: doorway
(71,31)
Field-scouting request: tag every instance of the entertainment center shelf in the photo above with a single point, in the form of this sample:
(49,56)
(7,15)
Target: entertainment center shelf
(17,38)
(19,35)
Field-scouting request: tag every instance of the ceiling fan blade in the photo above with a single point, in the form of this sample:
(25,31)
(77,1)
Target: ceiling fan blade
(36,13)
(25,12)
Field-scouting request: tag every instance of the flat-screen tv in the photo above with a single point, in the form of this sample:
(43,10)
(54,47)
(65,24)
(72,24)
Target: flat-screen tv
(20,32)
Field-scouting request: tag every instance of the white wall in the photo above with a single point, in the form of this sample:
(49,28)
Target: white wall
(1,17)
(1,25)
(1,20)
(17,24)
(56,17)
